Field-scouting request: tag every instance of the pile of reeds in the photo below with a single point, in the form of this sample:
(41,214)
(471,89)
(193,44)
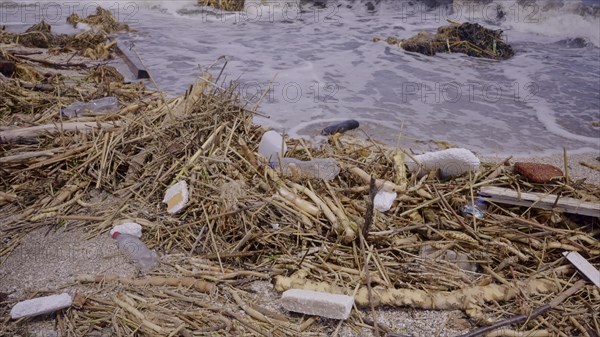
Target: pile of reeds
(327,237)
(467,38)
(103,21)
(227,5)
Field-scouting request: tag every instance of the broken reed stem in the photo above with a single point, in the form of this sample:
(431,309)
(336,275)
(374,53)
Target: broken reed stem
(538,311)
(186,282)
(370,206)
(566,165)
(456,216)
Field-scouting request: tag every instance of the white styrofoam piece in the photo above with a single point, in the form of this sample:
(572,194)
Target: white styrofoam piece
(383,200)
(451,162)
(317,303)
(41,305)
(176,197)
(584,267)
(130,228)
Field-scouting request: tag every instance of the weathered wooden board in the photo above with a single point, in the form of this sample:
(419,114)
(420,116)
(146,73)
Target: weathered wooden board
(539,200)
(132,61)
(584,267)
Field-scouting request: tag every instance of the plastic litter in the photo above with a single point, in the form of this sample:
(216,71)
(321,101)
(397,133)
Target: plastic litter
(78,109)
(384,200)
(136,251)
(476,208)
(176,197)
(130,228)
(342,127)
(319,168)
(272,147)
(451,162)
(461,260)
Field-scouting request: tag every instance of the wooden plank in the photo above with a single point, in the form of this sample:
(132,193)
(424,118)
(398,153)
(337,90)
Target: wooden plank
(584,267)
(539,200)
(132,60)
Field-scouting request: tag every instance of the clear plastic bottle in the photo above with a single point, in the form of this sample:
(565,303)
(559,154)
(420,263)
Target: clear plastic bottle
(136,251)
(104,104)
(319,168)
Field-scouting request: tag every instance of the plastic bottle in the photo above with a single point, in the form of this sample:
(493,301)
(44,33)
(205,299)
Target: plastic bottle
(104,104)
(319,168)
(272,147)
(136,251)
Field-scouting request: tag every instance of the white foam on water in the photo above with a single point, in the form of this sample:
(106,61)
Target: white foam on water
(557,23)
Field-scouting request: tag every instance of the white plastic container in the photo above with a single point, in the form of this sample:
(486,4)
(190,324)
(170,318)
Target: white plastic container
(272,147)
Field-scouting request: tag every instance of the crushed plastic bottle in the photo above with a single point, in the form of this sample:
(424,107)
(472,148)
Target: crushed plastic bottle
(272,147)
(476,209)
(104,104)
(319,168)
(136,251)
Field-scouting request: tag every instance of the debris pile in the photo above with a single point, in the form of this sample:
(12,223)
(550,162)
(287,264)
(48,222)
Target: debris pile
(103,21)
(217,234)
(467,38)
(227,5)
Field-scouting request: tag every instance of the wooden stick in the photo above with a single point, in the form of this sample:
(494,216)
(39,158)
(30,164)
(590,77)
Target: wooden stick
(31,133)
(31,154)
(566,163)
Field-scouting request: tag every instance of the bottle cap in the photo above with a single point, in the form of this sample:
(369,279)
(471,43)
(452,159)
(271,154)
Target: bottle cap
(115,234)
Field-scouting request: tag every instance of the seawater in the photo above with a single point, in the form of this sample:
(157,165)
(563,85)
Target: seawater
(310,65)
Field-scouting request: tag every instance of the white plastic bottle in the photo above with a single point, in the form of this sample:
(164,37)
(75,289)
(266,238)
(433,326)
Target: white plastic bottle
(136,251)
(272,146)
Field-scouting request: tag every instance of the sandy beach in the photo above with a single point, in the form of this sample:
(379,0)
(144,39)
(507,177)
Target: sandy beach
(50,260)
(409,255)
